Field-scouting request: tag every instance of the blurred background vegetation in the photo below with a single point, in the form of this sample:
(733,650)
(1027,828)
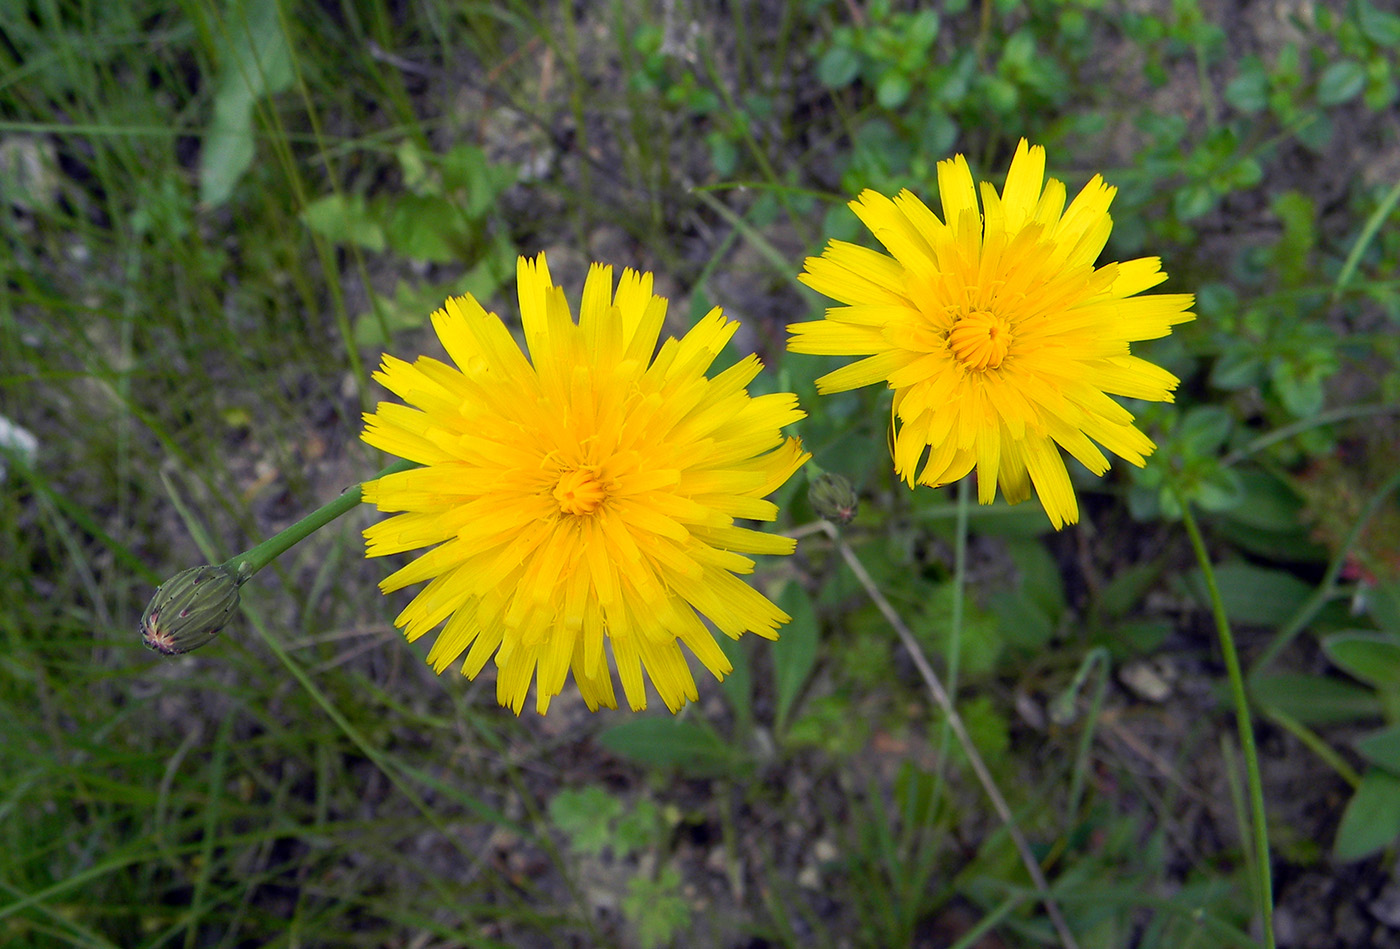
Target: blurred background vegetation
(217,213)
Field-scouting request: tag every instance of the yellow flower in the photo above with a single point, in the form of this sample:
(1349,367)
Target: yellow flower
(998,335)
(585,494)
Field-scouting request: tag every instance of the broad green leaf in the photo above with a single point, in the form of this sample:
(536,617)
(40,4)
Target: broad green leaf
(838,67)
(1384,605)
(1380,26)
(1372,818)
(1249,91)
(1314,700)
(473,182)
(256,62)
(1204,429)
(1382,748)
(1341,81)
(346,219)
(1029,611)
(1267,503)
(425,228)
(665,742)
(1368,656)
(795,652)
(1254,595)
(1293,546)
(1127,588)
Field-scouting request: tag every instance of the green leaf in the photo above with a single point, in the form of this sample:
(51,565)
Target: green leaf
(427,228)
(1204,429)
(1380,26)
(1237,368)
(1299,388)
(1028,614)
(738,685)
(665,742)
(472,182)
(345,219)
(1193,201)
(1368,656)
(1254,595)
(1384,605)
(638,828)
(1382,748)
(839,67)
(1249,91)
(1341,81)
(1267,503)
(795,652)
(585,816)
(257,62)
(656,908)
(1127,588)
(893,90)
(1218,490)
(1372,818)
(1314,700)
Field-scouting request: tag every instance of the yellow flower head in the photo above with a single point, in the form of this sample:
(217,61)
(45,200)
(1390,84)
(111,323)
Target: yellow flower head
(585,494)
(998,335)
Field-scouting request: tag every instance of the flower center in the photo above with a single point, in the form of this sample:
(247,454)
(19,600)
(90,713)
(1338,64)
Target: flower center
(980,339)
(579,492)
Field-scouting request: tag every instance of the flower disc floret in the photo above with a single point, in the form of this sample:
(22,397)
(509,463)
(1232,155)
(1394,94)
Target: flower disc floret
(998,335)
(587,495)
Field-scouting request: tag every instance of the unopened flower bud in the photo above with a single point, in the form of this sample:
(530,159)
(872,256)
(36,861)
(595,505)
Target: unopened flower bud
(833,498)
(189,609)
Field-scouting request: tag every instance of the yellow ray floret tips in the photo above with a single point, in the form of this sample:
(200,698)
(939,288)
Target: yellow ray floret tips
(582,499)
(1001,339)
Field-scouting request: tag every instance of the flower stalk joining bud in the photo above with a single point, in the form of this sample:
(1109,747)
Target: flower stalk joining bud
(190,608)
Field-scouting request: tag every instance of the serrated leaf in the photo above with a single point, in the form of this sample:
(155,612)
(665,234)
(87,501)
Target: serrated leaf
(692,748)
(1369,656)
(1314,700)
(656,909)
(795,652)
(1372,817)
(585,816)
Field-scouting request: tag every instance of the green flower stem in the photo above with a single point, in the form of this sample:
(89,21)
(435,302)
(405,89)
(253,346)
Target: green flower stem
(955,722)
(1264,885)
(252,560)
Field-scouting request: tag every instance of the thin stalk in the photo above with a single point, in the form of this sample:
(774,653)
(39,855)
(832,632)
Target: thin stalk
(253,559)
(952,657)
(955,722)
(1264,887)
(1314,743)
(1283,433)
